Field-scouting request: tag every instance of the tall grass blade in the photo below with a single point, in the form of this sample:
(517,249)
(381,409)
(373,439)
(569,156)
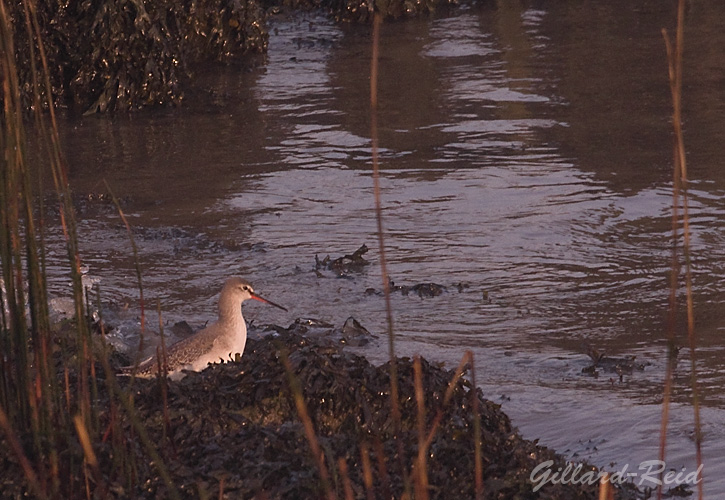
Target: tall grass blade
(606,491)
(29,388)
(38,395)
(90,455)
(312,440)
(460,370)
(347,485)
(127,404)
(675,60)
(394,386)
(420,470)
(382,468)
(17,448)
(674,279)
(137,266)
(16,377)
(163,372)
(478,457)
(379,219)
(367,470)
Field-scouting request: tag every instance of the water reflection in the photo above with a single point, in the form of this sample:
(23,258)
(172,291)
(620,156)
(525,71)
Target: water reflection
(526,158)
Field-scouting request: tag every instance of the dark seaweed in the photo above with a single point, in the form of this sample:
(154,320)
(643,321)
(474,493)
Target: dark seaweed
(126,54)
(235,424)
(120,55)
(345,265)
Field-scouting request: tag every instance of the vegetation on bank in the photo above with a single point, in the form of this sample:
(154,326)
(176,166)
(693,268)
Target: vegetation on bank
(291,419)
(106,55)
(235,431)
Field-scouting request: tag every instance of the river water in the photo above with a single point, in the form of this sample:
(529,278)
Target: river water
(526,160)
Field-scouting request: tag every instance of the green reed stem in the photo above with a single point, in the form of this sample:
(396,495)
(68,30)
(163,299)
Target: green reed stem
(137,266)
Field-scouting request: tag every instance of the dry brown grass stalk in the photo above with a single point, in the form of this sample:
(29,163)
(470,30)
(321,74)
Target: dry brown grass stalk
(48,404)
(394,398)
(478,458)
(163,372)
(137,266)
(221,489)
(367,470)
(420,470)
(90,459)
(606,491)
(34,483)
(394,386)
(382,468)
(314,444)
(680,181)
(127,404)
(344,474)
(460,370)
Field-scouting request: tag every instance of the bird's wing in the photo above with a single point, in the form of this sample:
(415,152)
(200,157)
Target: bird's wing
(144,368)
(191,347)
(178,354)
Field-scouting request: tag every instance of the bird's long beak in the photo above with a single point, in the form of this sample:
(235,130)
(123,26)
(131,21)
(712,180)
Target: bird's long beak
(262,299)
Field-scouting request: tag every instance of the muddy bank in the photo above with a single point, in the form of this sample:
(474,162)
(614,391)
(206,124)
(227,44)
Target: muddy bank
(234,428)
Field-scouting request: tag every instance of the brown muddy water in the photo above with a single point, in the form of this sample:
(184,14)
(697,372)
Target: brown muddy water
(526,155)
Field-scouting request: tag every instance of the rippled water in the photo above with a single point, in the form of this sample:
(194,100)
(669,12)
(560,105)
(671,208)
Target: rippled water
(526,156)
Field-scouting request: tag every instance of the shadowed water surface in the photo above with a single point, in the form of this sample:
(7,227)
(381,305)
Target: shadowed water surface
(526,166)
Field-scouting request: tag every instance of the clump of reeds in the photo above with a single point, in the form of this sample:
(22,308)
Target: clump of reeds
(55,416)
(35,415)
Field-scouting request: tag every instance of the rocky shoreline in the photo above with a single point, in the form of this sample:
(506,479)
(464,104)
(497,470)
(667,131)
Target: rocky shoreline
(234,428)
(233,431)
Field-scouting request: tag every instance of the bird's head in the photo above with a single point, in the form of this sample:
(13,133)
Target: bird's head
(243,290)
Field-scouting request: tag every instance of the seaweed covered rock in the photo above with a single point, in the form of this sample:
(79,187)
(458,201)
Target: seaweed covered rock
(236,425)
(234,431)
(105,55)
(124,54)
(345,265)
